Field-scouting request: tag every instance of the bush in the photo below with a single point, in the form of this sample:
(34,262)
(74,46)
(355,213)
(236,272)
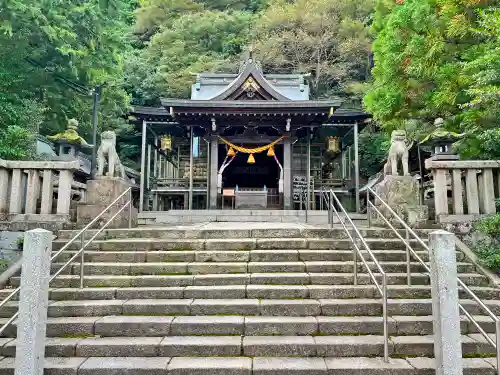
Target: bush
(488,249)
(488,253)
(16,143)
(373,147)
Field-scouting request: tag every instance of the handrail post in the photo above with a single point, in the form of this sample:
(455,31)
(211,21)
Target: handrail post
(130,207)
(497,332)
(82,258)
(368,212)
(408,258)
(385,318)
(355,258)
(330,208)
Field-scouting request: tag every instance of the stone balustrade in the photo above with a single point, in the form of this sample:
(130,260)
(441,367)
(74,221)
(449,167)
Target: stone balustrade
(38,191)
(474,185)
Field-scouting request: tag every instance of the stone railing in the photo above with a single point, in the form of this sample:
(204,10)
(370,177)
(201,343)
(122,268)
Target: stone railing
(38,191)
(474,185)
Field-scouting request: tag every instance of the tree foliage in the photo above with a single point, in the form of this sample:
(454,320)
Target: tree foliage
(330,39)
(51,49)
(437,58)
(194,42)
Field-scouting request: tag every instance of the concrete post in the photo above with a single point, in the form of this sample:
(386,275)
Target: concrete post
(34,301)
(472,191)
(446,317)
(4,190)
(287,174)
(487,192)
(214,169)
(47,192)
(440,192)
(32,191)
(458,200)
(64,192)
(16,192)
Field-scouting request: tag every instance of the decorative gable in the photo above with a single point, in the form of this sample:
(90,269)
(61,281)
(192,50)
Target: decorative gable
(250,85)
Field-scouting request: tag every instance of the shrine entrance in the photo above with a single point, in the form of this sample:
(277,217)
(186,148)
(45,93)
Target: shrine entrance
(265,172)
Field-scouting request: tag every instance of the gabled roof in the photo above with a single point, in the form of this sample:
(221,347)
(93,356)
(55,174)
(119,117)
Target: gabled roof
(250,85)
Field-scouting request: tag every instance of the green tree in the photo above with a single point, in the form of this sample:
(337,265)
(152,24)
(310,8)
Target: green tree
(46,45)
(195,42)
(328,38)
(436,58)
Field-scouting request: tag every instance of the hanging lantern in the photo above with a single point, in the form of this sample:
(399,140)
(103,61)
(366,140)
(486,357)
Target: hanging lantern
(231,152)
(270,152)
(333,144)
(166,143)
(251,159)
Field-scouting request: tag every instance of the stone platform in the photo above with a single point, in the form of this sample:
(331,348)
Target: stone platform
(101,193)
(241,216)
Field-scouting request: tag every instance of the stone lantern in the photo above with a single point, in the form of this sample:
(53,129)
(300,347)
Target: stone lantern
(69,142)
(441,142)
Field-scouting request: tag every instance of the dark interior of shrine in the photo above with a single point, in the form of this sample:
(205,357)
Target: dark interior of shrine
(265,171)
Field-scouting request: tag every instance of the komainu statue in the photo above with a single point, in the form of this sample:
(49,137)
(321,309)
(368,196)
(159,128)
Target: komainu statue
(107,150)
(398,151)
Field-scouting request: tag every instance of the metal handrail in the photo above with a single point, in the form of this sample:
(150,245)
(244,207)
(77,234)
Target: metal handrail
(357,252)
(410,250)
(80,252)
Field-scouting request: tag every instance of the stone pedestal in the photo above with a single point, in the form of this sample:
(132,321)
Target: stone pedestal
(100,193)
(401,193)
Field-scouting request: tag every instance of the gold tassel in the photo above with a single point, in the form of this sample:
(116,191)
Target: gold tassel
(231,152)
(270,152)
(251,159)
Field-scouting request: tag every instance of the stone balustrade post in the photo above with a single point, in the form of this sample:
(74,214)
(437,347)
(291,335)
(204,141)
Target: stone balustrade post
(4,188)
(476,177)
(34,301)
(445,310)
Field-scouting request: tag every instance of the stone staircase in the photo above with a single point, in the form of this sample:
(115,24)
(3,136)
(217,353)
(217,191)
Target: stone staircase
(261,300)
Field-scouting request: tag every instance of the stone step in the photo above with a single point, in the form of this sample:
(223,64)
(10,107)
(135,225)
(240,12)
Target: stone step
(298,278)
(247,366)
(159,326)
(266,231)
(250,346)
(201,268)
(252,291)
(248,306)
(231,256)
(245,244)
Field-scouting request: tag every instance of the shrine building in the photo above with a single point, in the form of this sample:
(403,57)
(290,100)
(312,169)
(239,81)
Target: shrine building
(247,141)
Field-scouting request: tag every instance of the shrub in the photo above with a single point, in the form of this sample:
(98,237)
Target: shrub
(488,249)
(16,143)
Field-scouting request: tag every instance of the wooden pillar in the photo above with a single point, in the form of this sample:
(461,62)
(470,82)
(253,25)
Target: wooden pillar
(356,166)
(287,174)
(214,169)
(191,149)
(143,166)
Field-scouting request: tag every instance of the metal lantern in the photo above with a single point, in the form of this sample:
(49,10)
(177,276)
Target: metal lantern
(333,144)
(166,143)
